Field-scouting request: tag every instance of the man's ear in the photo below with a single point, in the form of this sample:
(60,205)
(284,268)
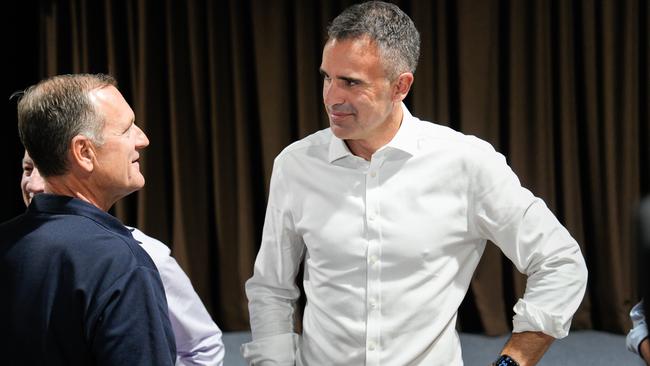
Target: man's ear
(402,86)
(82,153)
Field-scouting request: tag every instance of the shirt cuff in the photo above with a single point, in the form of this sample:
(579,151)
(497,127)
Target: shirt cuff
(530,318)
(639,330)
(635,337)
(277,350)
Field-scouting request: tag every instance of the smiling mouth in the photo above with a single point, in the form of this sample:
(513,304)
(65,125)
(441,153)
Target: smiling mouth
(339,116)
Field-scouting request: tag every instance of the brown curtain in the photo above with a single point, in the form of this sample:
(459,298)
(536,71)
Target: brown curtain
(559,87)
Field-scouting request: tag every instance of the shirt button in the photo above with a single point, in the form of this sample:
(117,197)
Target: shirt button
(373,174)
(371,346)
(373,259)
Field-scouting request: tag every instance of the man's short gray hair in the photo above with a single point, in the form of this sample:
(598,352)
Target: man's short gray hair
(387,25)
(54,111)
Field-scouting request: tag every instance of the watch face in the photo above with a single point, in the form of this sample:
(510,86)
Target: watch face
(505,360)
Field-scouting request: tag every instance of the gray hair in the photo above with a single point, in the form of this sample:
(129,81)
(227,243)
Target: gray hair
(387,25)
(54,111)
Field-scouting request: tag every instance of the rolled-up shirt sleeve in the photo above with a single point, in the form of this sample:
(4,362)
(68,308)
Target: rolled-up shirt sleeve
(272,291)
(639,330)
(530,235)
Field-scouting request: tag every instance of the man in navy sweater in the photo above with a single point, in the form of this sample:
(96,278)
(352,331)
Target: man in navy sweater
(77,288)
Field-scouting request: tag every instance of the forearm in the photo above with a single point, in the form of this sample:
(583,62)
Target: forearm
(527,348)
(272,327)
(644,350)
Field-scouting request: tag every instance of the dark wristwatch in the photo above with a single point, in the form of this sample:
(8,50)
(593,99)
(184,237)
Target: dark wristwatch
(505,360)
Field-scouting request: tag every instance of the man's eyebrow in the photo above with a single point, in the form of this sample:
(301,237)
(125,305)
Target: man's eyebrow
(130,124)
(349,79)
(344,78)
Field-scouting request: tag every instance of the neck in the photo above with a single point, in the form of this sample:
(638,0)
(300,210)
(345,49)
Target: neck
(71,186)
(384,134)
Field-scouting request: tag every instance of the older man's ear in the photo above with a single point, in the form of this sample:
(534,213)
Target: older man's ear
(82,153)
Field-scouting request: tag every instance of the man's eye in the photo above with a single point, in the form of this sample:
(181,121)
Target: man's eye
(27,170)
(352,82)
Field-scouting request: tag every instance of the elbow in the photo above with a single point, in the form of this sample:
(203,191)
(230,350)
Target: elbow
(582,273)
(576,272)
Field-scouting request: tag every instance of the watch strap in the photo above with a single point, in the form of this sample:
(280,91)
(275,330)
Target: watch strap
(505,360)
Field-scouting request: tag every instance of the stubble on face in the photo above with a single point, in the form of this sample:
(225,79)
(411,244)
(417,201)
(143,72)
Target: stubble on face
(357,94)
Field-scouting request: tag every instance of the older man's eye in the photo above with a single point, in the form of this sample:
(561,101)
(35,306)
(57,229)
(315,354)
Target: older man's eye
(128,130)
(27,170)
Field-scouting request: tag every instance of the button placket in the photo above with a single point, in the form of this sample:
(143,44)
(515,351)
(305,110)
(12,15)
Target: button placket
(373,291)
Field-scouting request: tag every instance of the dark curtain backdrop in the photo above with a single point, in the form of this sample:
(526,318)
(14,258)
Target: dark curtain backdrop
(560,87)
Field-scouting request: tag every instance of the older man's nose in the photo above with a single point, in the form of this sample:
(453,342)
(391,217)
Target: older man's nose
(142,139)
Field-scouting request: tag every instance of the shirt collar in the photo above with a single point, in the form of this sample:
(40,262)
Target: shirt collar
(54,204)
(338,149)
(405,139)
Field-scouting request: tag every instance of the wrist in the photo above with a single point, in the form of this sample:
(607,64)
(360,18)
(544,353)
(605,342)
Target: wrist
(644,349)
(505,360)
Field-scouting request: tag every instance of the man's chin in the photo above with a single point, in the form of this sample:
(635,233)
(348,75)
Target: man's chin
(339,131)
(139,185)
(135,185)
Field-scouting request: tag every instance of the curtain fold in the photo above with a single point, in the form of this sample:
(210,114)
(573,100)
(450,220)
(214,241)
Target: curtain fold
(220,88)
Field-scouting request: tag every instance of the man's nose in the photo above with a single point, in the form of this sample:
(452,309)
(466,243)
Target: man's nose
(142,139)
(332,94)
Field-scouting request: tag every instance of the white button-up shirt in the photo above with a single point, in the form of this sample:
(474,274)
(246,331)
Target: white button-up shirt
(198,338)
(639,330)
(390,245)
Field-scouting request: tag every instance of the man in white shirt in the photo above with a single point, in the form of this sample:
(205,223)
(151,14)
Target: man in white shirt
(198,338)
(637,339)
(390,216)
